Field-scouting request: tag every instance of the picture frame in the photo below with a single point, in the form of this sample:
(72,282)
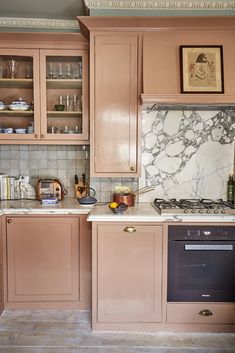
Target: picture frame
(201,69)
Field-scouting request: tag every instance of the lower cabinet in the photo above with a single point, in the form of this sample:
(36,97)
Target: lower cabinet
(1,269)
(127,274)
(48,261)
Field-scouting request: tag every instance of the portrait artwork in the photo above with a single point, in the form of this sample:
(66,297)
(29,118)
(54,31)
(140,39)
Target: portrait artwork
(201,69)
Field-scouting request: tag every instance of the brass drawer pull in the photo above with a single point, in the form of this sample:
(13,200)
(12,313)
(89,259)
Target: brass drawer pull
(132,168)
(129,230)
(205,312)
(9,220)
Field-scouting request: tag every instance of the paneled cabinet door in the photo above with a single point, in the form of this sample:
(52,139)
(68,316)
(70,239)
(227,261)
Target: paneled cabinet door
(1,269)
(64,95)
(43,259)
(114,106)
(129,274)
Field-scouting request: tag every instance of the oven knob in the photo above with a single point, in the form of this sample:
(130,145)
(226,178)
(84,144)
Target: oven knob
(200,211)
(208,211)
(185,211)
(192,211)
(215,211)
(223,211)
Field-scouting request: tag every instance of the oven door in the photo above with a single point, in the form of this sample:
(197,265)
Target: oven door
(201,271)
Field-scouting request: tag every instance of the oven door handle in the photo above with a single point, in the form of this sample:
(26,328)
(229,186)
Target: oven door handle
(215,247)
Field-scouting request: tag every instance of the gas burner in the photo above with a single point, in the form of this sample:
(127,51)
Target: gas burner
(194,206)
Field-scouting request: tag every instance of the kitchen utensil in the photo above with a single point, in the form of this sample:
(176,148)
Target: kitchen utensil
(128,199)
(88,199)
(80,186)
(143,190)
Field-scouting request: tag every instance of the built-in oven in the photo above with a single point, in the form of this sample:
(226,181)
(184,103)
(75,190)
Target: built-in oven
(201,263)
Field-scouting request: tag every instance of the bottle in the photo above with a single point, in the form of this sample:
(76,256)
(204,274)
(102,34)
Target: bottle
(230,189)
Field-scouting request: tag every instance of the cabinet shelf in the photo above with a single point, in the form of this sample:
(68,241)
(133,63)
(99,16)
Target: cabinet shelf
(16,82)
(17,112)
(64,83)
(63,114)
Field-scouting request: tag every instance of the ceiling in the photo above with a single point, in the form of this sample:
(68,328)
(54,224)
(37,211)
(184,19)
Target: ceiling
(45,9)
(62,14)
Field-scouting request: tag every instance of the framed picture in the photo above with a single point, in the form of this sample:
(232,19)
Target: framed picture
(201,69)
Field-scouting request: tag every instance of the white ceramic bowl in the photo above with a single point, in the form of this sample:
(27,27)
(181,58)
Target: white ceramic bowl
(2,106)
(20,131)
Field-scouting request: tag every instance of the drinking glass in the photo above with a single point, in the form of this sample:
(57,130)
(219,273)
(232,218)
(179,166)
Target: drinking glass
(13,65)
(60,71)
(68,71)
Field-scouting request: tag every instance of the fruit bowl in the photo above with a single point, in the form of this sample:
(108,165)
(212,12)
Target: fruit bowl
(119,209)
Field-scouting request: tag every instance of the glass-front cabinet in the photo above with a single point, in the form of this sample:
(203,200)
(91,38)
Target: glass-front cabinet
(19,94)
(43,96)
(64,94)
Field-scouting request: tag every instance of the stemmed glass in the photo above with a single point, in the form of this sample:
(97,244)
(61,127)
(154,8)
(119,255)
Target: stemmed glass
(13,65)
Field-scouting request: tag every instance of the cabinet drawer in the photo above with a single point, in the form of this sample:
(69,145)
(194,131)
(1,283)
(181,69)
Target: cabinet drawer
(193,313)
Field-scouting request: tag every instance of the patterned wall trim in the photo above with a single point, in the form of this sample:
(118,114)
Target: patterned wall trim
(11,22)
(160,5)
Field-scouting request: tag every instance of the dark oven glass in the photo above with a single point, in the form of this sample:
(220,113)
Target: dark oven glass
(201,270)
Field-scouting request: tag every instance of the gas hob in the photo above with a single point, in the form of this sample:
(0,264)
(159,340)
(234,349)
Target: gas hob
(194,206)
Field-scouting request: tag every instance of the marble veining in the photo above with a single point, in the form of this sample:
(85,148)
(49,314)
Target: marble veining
(185,154)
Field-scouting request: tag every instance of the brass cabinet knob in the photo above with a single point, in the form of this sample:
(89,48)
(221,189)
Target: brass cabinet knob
(132,168)
(205,312)
(42,136)
(9,220)
(129,230)
(36,136)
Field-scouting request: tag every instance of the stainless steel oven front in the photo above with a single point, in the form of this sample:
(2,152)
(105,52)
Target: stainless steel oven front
(201,263)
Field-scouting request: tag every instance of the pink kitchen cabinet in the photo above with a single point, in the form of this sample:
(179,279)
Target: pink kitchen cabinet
(48,69)
(127,275)
(48,262)
(1,269)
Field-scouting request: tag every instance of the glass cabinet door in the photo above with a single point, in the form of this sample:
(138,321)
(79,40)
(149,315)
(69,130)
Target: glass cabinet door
(19,95)
(64,95)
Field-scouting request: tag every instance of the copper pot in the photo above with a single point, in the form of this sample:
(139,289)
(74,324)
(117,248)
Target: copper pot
(128,199)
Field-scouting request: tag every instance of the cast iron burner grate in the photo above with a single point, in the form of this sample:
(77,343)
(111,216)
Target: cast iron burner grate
(194,206)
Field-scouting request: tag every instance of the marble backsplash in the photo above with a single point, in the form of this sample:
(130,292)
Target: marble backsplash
(187,153)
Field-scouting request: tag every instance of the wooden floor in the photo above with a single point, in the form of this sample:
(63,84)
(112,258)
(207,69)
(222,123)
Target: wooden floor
(69,332)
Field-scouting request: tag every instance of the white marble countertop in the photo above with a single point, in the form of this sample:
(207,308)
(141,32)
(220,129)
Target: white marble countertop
(66,206)
(141,212)
(145,212)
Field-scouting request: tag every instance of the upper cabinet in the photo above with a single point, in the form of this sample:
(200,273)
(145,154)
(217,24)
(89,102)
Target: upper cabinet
(114,112)
(48,88)
(115,88)
(161,58)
